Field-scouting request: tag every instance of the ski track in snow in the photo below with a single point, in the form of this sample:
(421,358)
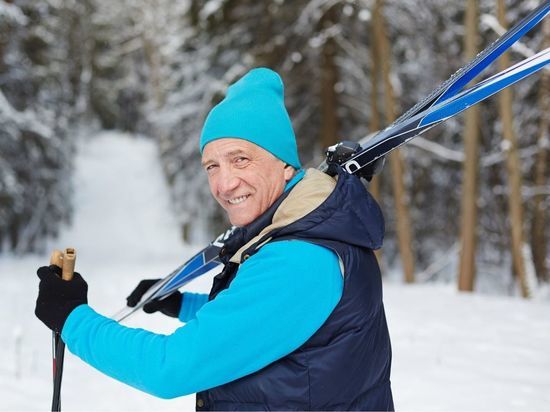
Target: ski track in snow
(452,351)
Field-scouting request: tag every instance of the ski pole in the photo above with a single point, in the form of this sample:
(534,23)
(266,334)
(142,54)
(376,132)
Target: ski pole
(66,261)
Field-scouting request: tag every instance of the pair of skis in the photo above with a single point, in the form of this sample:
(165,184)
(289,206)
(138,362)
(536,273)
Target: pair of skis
(446,101)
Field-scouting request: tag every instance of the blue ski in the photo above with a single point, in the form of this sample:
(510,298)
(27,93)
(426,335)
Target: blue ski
(389,139)
(465,74)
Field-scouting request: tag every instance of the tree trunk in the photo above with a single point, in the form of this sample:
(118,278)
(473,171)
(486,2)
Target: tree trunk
(375,123)
(194,10)
(153,56)
(468,227)
(329,101)
(513,168)
(396,161)
(539,242)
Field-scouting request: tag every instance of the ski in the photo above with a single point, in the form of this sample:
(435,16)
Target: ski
(468,72)
(444,102)
(391,138)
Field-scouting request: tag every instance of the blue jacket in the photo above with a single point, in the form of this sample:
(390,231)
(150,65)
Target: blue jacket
(345,365)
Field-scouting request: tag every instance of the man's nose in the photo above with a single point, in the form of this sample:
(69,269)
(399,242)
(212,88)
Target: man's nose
(228,181)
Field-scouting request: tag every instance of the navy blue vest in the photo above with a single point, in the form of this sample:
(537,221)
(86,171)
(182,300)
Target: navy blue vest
(345,365)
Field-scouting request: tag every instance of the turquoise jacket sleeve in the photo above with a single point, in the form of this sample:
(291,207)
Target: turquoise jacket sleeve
(280,297)
(190,304)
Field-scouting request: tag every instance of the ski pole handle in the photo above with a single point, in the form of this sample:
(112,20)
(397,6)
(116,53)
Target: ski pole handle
(69,259)
(57,258)
(65,260)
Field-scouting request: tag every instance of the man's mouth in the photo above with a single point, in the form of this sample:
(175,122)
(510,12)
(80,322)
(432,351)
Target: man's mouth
(238,200)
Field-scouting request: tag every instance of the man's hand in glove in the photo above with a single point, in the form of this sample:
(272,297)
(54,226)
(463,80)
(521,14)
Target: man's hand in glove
(57,298)
(170,305)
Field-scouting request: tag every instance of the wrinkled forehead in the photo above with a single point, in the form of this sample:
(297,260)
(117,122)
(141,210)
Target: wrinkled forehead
(230,147)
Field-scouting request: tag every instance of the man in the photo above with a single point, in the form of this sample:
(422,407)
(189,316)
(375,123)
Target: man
(295,320)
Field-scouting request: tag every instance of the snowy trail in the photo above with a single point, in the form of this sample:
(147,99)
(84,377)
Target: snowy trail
(118,181)
(453,352)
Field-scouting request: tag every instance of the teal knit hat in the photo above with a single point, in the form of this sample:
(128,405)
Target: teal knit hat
(254,110)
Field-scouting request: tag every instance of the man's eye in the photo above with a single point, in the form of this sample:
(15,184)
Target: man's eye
(210,168)
(241,160)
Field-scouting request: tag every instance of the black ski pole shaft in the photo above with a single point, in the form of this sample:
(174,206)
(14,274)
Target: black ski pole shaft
(59,354)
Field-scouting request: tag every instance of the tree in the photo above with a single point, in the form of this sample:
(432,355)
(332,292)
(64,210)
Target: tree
(468,228)
(539,241)
(396,161)
(36,100)
(513,168)
(329,79)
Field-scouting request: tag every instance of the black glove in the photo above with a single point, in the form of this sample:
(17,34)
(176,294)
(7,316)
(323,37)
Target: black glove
(57,297)
(169,306)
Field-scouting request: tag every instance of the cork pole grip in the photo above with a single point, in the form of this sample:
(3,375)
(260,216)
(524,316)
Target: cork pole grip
(57,258)
(65,260)
(69,259)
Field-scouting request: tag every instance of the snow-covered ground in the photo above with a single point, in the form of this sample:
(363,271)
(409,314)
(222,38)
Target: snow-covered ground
(451,351)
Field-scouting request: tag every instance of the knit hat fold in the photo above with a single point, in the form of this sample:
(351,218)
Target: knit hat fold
(254,110)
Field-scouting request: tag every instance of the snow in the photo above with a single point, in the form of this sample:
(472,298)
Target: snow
(452,351)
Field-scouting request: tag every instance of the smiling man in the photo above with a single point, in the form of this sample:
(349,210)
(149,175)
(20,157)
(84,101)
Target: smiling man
(295,320)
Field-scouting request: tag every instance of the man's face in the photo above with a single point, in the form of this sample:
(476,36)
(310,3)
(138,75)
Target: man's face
(244,178)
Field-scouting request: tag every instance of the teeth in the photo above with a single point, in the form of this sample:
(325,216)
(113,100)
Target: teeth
(238,200)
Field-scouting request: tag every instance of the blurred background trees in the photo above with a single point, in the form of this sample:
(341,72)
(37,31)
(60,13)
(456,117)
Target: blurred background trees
(156,67)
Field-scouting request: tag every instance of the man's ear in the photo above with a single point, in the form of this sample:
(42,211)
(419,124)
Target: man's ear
(289,172)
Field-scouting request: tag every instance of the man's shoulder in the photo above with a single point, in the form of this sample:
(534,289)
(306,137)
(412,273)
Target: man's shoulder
(296,252)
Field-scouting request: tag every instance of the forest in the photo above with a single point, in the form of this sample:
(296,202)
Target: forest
(467,202)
